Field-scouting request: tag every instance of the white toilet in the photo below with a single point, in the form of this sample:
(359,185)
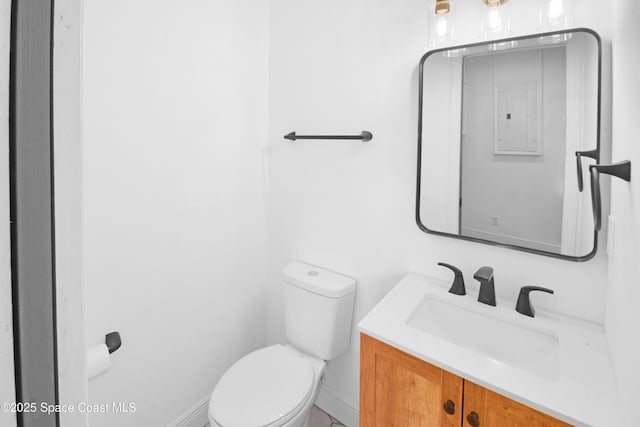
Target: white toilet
(277,385)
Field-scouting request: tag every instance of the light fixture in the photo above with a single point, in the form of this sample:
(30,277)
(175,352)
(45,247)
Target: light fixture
(441,23)
(555,15)
(495,23)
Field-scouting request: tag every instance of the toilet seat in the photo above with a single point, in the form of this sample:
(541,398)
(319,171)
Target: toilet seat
(275,382)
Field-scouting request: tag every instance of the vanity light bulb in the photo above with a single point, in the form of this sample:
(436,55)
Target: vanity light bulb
(495,21)
(556,10)
(555,14)
(441,27)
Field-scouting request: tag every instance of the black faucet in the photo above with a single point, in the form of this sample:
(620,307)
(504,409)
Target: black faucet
(487,294)
(457,287)
(523,306)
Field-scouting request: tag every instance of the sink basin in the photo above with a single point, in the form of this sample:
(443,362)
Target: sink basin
(534,351)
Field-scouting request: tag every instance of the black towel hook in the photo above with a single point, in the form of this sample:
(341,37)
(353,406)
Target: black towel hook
(621,170)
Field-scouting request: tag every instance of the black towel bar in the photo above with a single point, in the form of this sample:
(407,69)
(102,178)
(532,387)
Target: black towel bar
(364,136)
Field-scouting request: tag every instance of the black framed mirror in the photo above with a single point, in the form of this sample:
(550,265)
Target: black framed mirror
(502,127)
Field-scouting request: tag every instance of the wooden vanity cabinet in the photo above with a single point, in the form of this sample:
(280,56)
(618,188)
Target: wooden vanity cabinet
(400,390)
(397,389)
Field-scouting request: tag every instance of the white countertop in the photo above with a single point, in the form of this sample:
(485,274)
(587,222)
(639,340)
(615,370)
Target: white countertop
(584,392)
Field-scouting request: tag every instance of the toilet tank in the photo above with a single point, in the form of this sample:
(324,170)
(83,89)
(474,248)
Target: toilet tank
(318,308)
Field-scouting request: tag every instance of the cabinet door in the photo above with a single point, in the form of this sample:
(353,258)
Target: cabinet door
(399,390)
(494,410)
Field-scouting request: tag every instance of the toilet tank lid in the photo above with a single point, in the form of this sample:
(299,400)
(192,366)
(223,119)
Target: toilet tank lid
(318,280)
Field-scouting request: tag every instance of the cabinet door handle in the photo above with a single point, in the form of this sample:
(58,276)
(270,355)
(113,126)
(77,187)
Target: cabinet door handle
(473,419)
(449,407)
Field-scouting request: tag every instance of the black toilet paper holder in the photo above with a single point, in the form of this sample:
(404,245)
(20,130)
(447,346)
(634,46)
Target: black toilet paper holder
(113,341)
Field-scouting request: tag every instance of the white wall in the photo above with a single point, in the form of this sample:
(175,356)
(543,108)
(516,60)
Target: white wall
(175,98)
(341,66)
(623,285)
(72,383)
(7,382)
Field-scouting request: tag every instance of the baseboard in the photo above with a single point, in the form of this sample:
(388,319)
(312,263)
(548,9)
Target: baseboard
(339,409)
(196,416)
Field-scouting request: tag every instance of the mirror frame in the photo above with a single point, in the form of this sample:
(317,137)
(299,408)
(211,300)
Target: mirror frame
(598,145)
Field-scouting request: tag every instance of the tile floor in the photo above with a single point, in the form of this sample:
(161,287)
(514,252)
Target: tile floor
(318,418)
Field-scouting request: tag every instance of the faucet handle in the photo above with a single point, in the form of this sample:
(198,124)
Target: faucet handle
(484,274)
(487,293)
(523,306)
(457,287)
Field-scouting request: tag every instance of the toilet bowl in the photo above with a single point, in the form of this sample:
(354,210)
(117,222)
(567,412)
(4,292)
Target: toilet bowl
(273,386)
(277,385)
